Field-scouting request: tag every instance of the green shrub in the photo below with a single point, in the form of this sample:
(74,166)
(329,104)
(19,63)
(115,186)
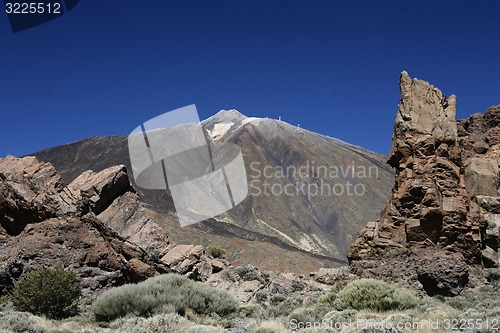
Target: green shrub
(374,295)
(5,299)
(343,316)
(484,300)
(50,292)
(262,296)
(284,306)
(216,252)
(328,298)
(250,273)
(277,299)
(153,255)
(302,315)
(297,285)
(251,310)
(170,289)
(309,315)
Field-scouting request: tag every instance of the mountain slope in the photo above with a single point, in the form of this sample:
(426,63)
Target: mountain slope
(307,192)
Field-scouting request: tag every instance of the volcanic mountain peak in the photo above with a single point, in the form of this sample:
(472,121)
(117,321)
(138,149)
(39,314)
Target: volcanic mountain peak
(320,227)
(231,115)
(225,121)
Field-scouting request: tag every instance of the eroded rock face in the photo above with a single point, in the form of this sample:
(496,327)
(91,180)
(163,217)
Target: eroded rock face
(96,225)
(128,218)
(102,188)
(479,138)
(442,177)
(28,193)
(44,224)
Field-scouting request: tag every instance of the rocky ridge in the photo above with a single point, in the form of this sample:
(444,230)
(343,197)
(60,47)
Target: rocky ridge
(443,212)
(96,226)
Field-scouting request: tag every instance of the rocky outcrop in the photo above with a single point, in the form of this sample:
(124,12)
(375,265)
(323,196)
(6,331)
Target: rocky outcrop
(44,224)
(100,189)
(248,283)
(479,137)
(429,271)
(128,218)
(30,192)
(192,261)
(96,226)
(433,211)
(331,276)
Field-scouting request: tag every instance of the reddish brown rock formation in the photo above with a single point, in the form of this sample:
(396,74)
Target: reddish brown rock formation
(44,224)
(96,226)
(479,137)
(433,214)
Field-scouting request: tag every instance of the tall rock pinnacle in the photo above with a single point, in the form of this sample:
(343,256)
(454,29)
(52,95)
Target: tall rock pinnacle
(423,113)
(430,215)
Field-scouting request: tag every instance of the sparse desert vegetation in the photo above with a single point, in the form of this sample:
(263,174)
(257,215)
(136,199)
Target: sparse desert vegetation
(174,290)
(173,303)
(371,294)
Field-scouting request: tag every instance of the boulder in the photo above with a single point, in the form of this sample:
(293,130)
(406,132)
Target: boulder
(490,257)
(102,188)
(191,261)
(331,276)
(180,253)
(217,265)
(429,271)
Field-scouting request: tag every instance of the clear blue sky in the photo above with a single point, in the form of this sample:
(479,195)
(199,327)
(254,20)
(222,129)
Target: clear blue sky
(107,66)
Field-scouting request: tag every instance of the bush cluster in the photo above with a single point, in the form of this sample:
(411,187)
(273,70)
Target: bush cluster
(170,289)
(250,273)
(282,305)
(374,295)
(53,292)
(216,251)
